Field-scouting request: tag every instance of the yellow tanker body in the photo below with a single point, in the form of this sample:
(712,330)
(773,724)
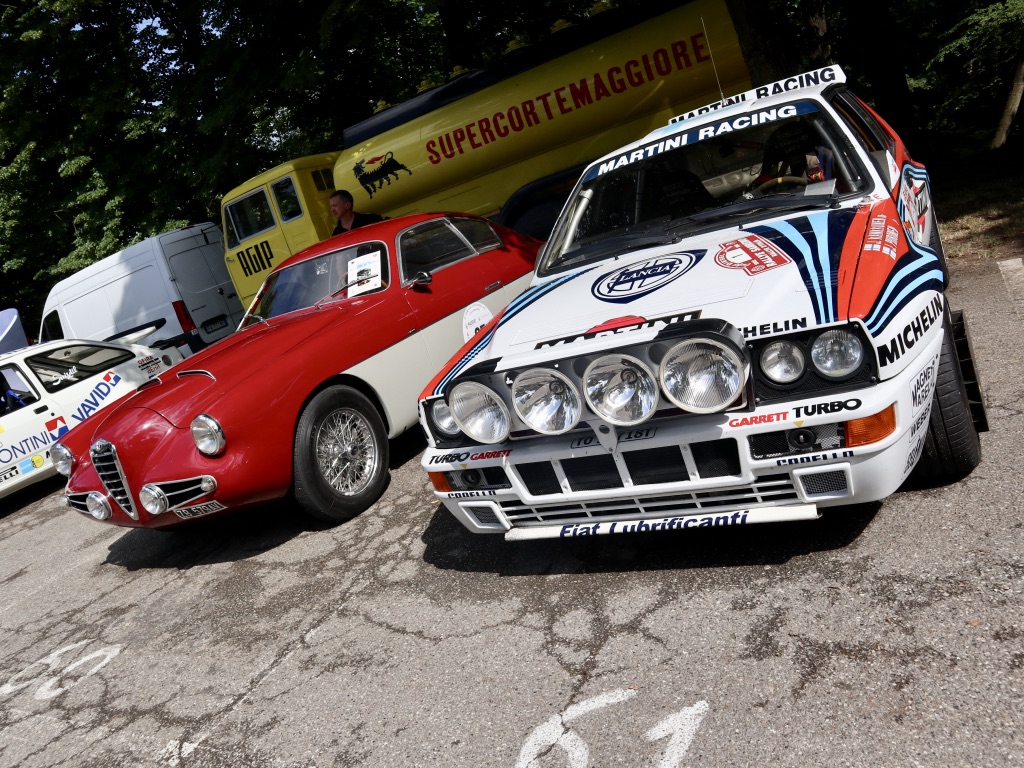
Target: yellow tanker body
(509,142)
(476,152)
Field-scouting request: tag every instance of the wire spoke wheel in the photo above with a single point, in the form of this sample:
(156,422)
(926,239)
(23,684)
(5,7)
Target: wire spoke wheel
(346,452)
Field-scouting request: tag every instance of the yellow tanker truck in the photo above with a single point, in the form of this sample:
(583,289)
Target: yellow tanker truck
(506,143)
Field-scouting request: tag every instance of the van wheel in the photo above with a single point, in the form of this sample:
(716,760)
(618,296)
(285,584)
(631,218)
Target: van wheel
(341,455)
(952,448)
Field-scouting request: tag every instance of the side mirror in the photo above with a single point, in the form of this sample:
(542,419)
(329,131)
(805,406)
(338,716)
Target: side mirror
(422,278)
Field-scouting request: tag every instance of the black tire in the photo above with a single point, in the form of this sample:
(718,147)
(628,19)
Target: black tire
(341,455)
(935,243)
(952,448)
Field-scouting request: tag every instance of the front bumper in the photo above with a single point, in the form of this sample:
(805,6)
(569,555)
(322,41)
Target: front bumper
(694,471)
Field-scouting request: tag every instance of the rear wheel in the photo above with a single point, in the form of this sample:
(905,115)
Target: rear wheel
(951,446)
(341,455)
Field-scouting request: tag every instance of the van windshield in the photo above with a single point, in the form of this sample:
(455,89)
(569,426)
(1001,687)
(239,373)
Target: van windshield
(341,274)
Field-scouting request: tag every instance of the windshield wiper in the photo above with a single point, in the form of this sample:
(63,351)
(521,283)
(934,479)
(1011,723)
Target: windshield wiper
(342,288)
(621,244)
(774,202)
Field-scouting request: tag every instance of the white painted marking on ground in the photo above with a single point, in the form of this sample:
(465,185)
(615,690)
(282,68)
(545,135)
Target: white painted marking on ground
(1013,275)
(682,727)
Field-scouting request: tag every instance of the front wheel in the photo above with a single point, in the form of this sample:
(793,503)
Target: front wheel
(952,448)
(340,456)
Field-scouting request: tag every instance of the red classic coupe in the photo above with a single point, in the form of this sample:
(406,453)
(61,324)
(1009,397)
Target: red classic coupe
(325,367)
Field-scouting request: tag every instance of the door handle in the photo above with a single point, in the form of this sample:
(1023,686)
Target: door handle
(40,409)
(492,286)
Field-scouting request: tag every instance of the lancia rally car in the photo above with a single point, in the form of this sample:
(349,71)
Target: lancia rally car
(302,398)
(739,318)
(47,389)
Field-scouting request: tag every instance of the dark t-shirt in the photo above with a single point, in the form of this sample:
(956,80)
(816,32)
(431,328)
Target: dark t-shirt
(358,220)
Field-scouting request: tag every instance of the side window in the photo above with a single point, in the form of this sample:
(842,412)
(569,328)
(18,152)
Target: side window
(871,136)
(323,179)
(65,366)
(287,198)
(52,329)
(429,247)
(479,234)
(248,217)
(15,391)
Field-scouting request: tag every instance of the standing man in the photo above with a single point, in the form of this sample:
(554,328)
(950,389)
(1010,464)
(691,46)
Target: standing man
(347,218)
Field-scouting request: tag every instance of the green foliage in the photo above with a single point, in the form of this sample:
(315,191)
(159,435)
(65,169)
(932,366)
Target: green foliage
(122,120)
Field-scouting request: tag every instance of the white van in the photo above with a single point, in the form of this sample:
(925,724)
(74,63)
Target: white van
(176,280)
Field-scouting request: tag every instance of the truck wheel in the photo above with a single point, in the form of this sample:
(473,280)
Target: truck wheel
(341,455)
(951,446)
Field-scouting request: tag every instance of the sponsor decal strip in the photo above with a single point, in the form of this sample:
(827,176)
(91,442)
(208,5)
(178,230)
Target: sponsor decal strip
(917,271)
(518,305)
(712,520)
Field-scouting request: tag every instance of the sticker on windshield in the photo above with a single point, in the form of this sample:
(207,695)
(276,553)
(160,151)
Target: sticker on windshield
(643,277)
(475,317)
(364,273)
(752,254)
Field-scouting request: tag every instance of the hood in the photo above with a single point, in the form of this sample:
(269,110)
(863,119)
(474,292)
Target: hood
(780,275)
(256,353)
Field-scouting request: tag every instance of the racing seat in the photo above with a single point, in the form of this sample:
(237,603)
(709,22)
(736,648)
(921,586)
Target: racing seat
(790,149)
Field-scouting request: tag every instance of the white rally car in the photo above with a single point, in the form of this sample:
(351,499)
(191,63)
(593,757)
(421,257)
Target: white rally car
(49,388)
(739,318)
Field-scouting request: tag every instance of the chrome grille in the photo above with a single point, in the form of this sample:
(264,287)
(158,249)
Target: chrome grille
(104,459)
(181,492)
(770,489)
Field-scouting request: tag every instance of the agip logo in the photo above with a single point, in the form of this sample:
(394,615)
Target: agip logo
(383,167)
(641,278)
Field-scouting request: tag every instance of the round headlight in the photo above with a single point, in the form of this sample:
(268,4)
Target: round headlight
(546,401)
(63,459)
(153,499)
(837,353)
(782,362)
(441,417)
(702,375)
(208,435)
(620,390)
(479,412)
(97,505)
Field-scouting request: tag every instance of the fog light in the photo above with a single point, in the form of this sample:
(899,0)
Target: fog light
(153,499)
(471,477)
(207,484)
(97,505)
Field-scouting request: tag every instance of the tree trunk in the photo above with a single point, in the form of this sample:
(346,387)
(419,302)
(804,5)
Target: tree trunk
(1012,104)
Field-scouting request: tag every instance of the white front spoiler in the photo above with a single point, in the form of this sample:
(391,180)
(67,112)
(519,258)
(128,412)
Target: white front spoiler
(706,519)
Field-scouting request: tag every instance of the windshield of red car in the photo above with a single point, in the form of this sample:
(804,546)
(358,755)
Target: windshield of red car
(346,273)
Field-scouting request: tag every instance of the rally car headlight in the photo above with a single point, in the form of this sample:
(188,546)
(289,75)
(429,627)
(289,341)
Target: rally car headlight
(208,435)
(546,400)
(63,459)
(153,499)
(783,362)
(479,412)
(441,417)
(702,375)
(837,353)
(620,390)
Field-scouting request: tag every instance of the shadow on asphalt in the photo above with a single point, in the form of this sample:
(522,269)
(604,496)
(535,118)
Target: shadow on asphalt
(30,495)
(450,546)
(233,536)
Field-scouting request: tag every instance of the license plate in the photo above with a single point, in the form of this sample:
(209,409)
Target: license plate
(199,510)
(214,325)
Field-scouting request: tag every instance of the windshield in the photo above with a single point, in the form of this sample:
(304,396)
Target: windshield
(790,156)
(346,273)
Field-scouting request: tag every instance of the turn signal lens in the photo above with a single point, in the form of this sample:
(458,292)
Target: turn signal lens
(871,429)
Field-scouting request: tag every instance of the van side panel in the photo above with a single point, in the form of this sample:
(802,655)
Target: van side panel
(127,301)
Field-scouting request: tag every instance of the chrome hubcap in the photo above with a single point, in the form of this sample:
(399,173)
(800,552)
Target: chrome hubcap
(346,453)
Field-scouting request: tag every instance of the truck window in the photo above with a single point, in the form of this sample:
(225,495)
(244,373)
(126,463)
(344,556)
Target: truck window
(287,198)
(248,217)
(52,329)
